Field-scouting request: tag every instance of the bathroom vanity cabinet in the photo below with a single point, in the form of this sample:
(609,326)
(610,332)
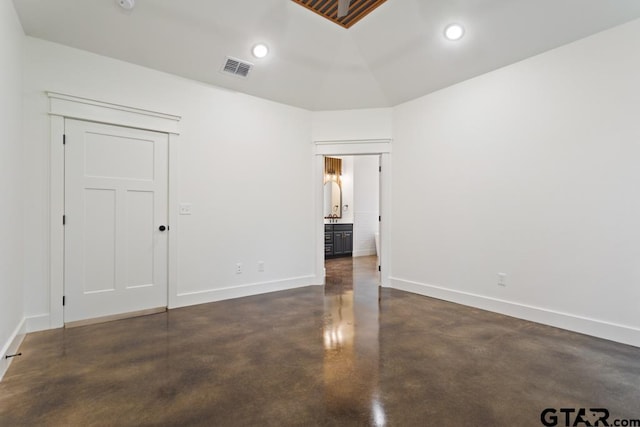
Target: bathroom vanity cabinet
(338,240)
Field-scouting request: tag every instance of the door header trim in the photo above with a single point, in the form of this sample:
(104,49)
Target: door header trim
(74,107)
(352,147)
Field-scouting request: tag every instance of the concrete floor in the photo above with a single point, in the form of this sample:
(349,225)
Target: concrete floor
(317,356)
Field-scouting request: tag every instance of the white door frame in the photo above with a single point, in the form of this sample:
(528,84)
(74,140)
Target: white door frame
(63,106)
(380,147)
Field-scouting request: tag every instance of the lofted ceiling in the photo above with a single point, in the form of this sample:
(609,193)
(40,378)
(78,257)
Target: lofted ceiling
(394,54)
(330,9)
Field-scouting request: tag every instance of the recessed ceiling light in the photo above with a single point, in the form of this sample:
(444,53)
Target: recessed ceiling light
(454,32)
(260,50)
(126,4)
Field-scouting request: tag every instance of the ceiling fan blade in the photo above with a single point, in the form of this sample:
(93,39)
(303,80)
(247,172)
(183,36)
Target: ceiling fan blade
(343,8)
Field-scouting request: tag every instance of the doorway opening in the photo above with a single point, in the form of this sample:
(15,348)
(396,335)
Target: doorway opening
(351,210)
(373,157)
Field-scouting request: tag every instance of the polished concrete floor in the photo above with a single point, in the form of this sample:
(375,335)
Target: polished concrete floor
(317,356)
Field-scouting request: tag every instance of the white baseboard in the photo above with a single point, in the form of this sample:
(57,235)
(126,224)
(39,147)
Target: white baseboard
(40,322)
(212,295)
(11,346)
(364,252)
(584,325)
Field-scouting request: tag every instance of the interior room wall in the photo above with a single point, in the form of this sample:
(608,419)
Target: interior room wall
(530,171)
(345,125)
(245,165)
(366,204)
(11,181)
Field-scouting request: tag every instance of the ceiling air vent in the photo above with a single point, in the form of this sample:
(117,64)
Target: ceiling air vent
(237,67)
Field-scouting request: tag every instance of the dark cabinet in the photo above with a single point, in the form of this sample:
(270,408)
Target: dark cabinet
(338,240)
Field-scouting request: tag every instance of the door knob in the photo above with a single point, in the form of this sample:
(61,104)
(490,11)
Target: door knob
(162,228)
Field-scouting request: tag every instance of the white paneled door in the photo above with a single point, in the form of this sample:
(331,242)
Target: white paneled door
(116,182)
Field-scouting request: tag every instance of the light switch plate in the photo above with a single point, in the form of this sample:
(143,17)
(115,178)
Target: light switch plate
(185,208)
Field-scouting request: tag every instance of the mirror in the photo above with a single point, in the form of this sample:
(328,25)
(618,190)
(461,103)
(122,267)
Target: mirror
(332,200)
(332,189)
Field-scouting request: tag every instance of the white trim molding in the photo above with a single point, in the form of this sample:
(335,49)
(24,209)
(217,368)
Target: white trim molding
(11,347)
(61,107)
(250,289)
(364,252)
(353,147)
(74,107)
(584,325)
(37,323)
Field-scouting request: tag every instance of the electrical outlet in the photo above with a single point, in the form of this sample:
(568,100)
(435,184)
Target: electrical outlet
(502,279)
(239,268)
(261,266)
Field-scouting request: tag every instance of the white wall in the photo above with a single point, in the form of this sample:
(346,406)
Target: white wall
(533,171)
(344,125)
(366,206)
(244,165)
(11,181)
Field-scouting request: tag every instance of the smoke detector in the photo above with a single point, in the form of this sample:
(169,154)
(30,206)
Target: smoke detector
(126,4)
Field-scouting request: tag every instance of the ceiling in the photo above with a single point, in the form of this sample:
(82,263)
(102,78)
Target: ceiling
(395,54)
